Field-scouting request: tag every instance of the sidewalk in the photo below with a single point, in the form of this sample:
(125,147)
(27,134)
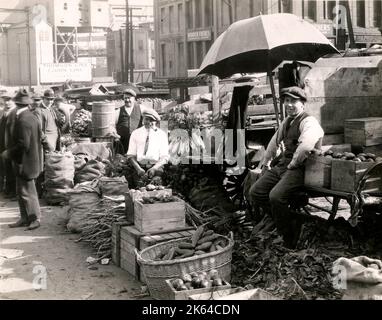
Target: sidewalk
(25,255)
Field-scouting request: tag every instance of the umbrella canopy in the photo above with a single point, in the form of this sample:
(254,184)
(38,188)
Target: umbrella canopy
(261,43)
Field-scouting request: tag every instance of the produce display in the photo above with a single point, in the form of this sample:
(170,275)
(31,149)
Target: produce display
(182,142)
(360,157)
(197,280)
(159,198)
(203,241)
(81,123)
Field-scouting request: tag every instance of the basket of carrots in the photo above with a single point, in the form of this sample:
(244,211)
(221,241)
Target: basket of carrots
(204,251)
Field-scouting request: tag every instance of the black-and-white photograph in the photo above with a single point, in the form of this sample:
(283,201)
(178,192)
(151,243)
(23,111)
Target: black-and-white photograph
(190,150)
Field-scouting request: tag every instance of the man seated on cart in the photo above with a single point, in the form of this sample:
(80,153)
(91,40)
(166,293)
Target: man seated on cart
(148,150)
(283,175)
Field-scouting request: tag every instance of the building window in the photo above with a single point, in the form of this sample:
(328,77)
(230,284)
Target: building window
(361,13)
(208,13)
(163,52)
(330,9)
(65,6)
(162,17)
(312,7)
(180,17)
(198,14)
(171,19)
(140,45)
(199,53)
(377,12)
(190,55)
(189,14)
(287,6)
(181,66)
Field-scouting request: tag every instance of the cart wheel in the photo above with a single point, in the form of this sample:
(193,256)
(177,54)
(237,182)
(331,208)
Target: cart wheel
(233,183)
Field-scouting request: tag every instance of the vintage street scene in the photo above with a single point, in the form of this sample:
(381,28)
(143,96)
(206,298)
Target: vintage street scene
(190,150)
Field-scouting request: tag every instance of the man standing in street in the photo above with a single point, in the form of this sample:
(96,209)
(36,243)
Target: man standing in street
(128,118)
(8,180)
(148,149)
(283,176)
(27,157)
(48,120)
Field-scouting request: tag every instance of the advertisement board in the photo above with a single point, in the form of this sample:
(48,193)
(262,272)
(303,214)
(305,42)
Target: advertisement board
(60,72)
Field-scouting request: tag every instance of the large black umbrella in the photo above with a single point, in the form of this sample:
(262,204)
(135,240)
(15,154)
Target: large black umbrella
(261,43)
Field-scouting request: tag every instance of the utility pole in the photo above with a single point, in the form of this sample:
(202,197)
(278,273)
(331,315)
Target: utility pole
(122,56)
(131,47)
(126,77)
(350,25)
(29,48)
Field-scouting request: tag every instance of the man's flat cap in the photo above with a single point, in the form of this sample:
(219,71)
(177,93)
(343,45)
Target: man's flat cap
(6,96)
(151,113)
(294,92)
(36,97)
(129,91)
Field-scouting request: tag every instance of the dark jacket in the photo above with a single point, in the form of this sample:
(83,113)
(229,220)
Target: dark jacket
(27,152)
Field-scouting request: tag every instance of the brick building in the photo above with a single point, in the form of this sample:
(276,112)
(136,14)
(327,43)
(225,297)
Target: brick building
(185,29)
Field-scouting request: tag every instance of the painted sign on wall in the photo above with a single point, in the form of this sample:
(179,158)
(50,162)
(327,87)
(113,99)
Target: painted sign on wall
(60,72)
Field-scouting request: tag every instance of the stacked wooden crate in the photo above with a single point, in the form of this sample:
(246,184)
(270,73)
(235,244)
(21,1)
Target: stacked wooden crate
(152,223)
(132,239)
(364,134)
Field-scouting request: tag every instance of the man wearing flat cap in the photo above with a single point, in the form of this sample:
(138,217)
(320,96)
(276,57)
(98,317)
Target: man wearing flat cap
(27,155)
(7,178)
(283,176)
(128,117)
(148,149)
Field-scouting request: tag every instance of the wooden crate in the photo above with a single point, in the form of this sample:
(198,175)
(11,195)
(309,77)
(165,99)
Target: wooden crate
(132,239)
(364,131)
(131,196)
(185,295)
(116,242)
(347,174)
(159,216)
(318,171)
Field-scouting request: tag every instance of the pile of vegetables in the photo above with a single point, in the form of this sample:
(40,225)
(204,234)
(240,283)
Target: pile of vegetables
(260,259)
(158,199)
(98,226)
(197,280)
(82,122)
(202,241)
(360,157)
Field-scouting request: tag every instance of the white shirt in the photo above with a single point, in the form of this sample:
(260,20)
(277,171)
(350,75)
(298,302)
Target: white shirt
(158,145)
(310,133)
(129,109)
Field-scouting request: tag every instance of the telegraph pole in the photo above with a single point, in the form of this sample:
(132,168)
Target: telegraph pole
(29,48)
(131,47)
(126,73)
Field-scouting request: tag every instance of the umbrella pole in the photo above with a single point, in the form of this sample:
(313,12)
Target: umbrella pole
(274,97)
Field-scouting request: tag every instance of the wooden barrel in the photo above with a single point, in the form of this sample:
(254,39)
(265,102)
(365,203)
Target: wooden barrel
(102,118)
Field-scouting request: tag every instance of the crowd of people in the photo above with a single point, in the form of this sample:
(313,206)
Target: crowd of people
(30,126)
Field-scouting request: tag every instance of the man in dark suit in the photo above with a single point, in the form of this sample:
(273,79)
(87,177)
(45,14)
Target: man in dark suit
(27,157)
(128,118)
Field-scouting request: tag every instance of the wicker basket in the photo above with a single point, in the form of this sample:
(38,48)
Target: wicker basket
(156,272)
